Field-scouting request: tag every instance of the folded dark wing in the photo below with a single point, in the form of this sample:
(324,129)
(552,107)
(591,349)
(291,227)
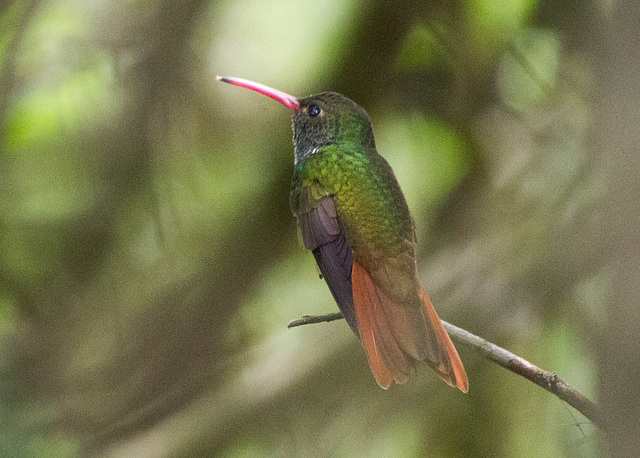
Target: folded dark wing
(322,233)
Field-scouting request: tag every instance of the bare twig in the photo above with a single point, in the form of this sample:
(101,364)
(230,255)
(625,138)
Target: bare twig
(311,319)
(510,361)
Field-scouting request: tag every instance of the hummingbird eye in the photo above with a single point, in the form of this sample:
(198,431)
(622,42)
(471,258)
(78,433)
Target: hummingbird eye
(314,110)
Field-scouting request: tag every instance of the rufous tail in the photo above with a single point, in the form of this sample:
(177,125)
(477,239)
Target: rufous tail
(395,336)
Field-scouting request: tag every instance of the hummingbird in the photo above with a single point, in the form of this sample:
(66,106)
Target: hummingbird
(355,220)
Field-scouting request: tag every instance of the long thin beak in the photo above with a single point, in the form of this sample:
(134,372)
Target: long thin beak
(285,99)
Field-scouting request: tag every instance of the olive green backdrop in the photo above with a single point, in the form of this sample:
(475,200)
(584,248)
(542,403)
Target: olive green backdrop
(149,263)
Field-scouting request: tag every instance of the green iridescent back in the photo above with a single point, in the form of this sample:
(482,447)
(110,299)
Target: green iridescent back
(336,155)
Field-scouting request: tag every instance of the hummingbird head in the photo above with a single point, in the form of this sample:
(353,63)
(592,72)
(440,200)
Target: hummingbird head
(327,119)
(319,120)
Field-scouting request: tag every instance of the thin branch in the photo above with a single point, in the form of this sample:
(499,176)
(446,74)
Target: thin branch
(312,319)
(510,361)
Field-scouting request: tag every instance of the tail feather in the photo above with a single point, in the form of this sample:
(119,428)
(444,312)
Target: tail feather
(412,339)
(387,360)
(367,330)
(399,363)
(448,366)
(395,336)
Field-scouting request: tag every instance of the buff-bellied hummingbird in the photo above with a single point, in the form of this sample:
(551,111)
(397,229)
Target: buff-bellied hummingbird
(354,218)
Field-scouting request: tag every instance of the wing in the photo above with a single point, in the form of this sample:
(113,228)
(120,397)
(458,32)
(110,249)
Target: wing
(322,233)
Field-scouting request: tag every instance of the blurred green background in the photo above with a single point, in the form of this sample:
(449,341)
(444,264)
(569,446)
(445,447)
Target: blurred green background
(149,263)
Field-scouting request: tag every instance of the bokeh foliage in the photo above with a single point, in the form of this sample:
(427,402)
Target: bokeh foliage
(149,262)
